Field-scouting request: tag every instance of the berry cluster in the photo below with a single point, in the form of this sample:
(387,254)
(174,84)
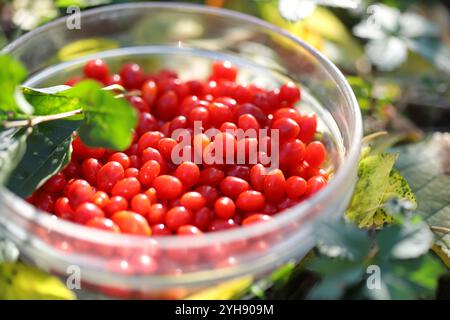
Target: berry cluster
(142,191)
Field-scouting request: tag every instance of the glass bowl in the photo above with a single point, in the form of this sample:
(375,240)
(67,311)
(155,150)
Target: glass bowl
(185,38)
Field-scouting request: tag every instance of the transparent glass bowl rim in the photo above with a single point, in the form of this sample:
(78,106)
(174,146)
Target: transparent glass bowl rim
(90,234)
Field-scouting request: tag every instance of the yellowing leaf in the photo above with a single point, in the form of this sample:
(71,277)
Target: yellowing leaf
(373,189)
(21,282)
(85,47)
(223,291)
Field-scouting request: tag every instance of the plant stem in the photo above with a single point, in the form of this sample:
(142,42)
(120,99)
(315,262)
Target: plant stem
(440,229)
(39,119)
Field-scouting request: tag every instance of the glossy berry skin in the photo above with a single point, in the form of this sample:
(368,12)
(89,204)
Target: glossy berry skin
(149,92)
(96,69)
(63,209)
(79,194)
(55,184)
(193,200)
(157,214)
(121,158)
(250,200)
(132,223)
(315,153)
(224,208)
(188,230)
(116,203)
(103,224)
(287,128)
(295,187)
(188,173)
(90,169)
(111,173)
(148,172)
(145,190)
(132,76)
(257,176)
(177,217)
(86,212)
(233,186)
(274,185)
(289,93)
(161,230)
(101,199)
(167,187)
(256,218)
(141,204)
(314,184)
(127,188)
(308,127)
(223,70)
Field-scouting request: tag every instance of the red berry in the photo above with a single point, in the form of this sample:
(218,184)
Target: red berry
(147,122)
(255,218)
(315,184)
(81,151)
(247,121)
(141,204)
(116,203)
(223,70)
(209,193)
(149,139)
(289,93)
(80,193)
(202,218)
(167,106)
(132,75)
(257,176)
(132,223)
(149,92)
(274,185)
(96,69)
(233,186)
(101,199)
(224,208)
(63,209)
(157,214)
(103,224)
(86,212)
(295,187)
(132,172)
(177,217)
(188,230)
(55,184)
(126,188)
(148,172)
(109,175)
(90,169)
(139,104)
(211,176)
(287,128)
(188,173)
(161,230)
(250,200)
(308,127)
(315,153)
(193,200)
(167,187)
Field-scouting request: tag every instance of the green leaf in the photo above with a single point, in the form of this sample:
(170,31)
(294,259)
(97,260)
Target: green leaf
(48,151)
(426,166)
(12,149)
(339,275)
(407,279)
(51,100)
(12,73)
(109,121)
(338,239)
(371,189)
(22,282)
(406,241)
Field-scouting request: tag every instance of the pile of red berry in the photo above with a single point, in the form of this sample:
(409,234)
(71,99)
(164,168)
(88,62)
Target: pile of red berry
(142,191)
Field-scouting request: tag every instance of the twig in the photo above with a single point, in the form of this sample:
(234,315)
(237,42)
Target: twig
(39,119)
(440,229)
